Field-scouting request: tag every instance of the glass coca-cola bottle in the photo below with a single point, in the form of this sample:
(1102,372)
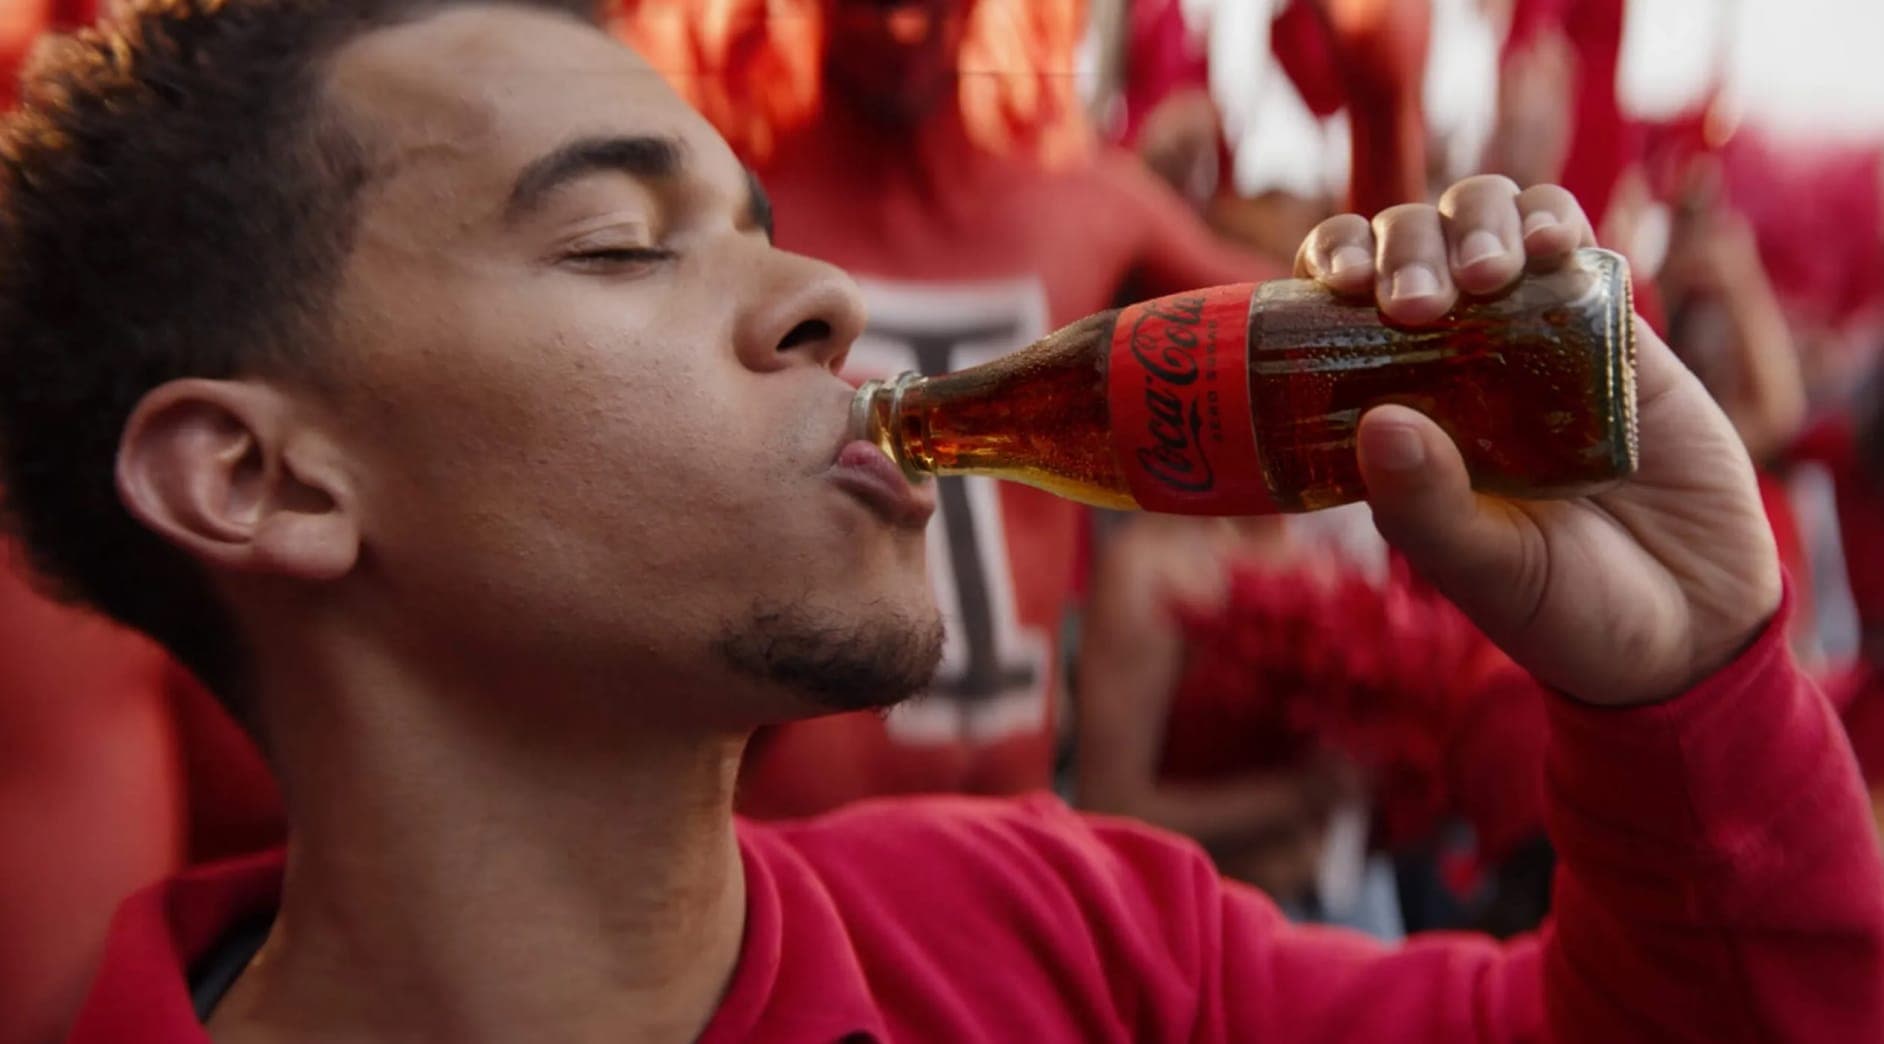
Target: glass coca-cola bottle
(1240,400)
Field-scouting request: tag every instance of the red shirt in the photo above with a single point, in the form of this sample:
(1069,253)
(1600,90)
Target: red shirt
(962,260)
(1719,882)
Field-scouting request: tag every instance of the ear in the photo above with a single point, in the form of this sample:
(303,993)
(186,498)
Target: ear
(227,471)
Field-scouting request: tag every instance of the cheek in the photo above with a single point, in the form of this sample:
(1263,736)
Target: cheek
(550,435)
(590,476)
(657,476)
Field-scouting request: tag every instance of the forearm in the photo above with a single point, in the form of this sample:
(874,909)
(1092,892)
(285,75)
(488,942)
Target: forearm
(1772,404)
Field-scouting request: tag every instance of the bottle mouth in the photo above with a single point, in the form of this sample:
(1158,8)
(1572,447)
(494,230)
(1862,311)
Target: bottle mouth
(875,413)
(860,409)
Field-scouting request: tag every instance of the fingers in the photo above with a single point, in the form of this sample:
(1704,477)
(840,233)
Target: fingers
(1412,276)
(1417,260)
(1339,254)
(1423,504)
(1484,228)
(1554,225)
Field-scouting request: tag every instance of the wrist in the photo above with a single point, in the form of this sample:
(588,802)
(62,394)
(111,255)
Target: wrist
(1706,661)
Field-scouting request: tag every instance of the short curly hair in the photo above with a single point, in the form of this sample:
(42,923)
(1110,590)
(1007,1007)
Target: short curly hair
(176,200)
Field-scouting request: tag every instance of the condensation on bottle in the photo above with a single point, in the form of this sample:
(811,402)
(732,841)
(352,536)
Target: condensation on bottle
(1243,400)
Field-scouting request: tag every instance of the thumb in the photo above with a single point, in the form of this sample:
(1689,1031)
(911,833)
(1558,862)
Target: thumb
(1424,505)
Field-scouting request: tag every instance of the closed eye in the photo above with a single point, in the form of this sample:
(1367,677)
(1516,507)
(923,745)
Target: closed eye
(626,255)
(619,257)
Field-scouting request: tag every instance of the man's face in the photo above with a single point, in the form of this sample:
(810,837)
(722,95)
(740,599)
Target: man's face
(895,60)
(591,412)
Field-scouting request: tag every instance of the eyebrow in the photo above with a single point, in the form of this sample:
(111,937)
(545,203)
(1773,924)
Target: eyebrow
(759,206)
(647,158)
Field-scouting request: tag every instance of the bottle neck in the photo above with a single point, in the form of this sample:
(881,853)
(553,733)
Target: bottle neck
(876,416)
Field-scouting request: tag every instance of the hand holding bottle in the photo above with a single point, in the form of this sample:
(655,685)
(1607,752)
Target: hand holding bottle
(1624,597)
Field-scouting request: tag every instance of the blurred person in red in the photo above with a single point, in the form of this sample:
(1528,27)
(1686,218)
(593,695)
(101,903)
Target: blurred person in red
(1149,737)
(1235,675)
(1727,323)
(1826,259)
(1840,310)
(935,150)
(1559,116)
(1363,58)
(1164,111)
(500,465)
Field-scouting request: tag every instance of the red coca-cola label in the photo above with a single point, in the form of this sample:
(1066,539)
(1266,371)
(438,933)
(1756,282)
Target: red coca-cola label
(1178,393)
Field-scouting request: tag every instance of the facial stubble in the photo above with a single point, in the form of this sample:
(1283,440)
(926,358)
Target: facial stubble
(837,662)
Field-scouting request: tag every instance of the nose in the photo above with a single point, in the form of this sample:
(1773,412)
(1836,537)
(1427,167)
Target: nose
(807,312)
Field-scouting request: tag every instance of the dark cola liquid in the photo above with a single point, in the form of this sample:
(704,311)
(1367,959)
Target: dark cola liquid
(1535,388)
(1037,416)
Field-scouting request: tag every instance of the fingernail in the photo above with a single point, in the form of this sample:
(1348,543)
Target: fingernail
(1414,281)
(1398,448)
(1481,245)
(1347,259)
(1537,219)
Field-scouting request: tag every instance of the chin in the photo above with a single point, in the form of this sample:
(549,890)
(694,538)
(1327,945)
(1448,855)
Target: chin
(865,656)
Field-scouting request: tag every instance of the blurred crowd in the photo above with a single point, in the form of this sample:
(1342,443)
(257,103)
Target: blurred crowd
(1283,690)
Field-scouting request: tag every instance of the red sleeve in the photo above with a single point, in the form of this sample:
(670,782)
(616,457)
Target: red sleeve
(1719,881)
(1721,877)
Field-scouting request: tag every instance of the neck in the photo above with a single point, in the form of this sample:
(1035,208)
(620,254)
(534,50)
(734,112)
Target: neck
(450,879)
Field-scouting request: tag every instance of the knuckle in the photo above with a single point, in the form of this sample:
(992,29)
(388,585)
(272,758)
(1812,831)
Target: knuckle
(1407,226)
(1332,229)
(1555,197)
(1478,189)
(1496,183)
(1403,213)
(1346,227)
(1337,232)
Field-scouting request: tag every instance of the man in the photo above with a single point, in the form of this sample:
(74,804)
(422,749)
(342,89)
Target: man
(465,429)
(977,217)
